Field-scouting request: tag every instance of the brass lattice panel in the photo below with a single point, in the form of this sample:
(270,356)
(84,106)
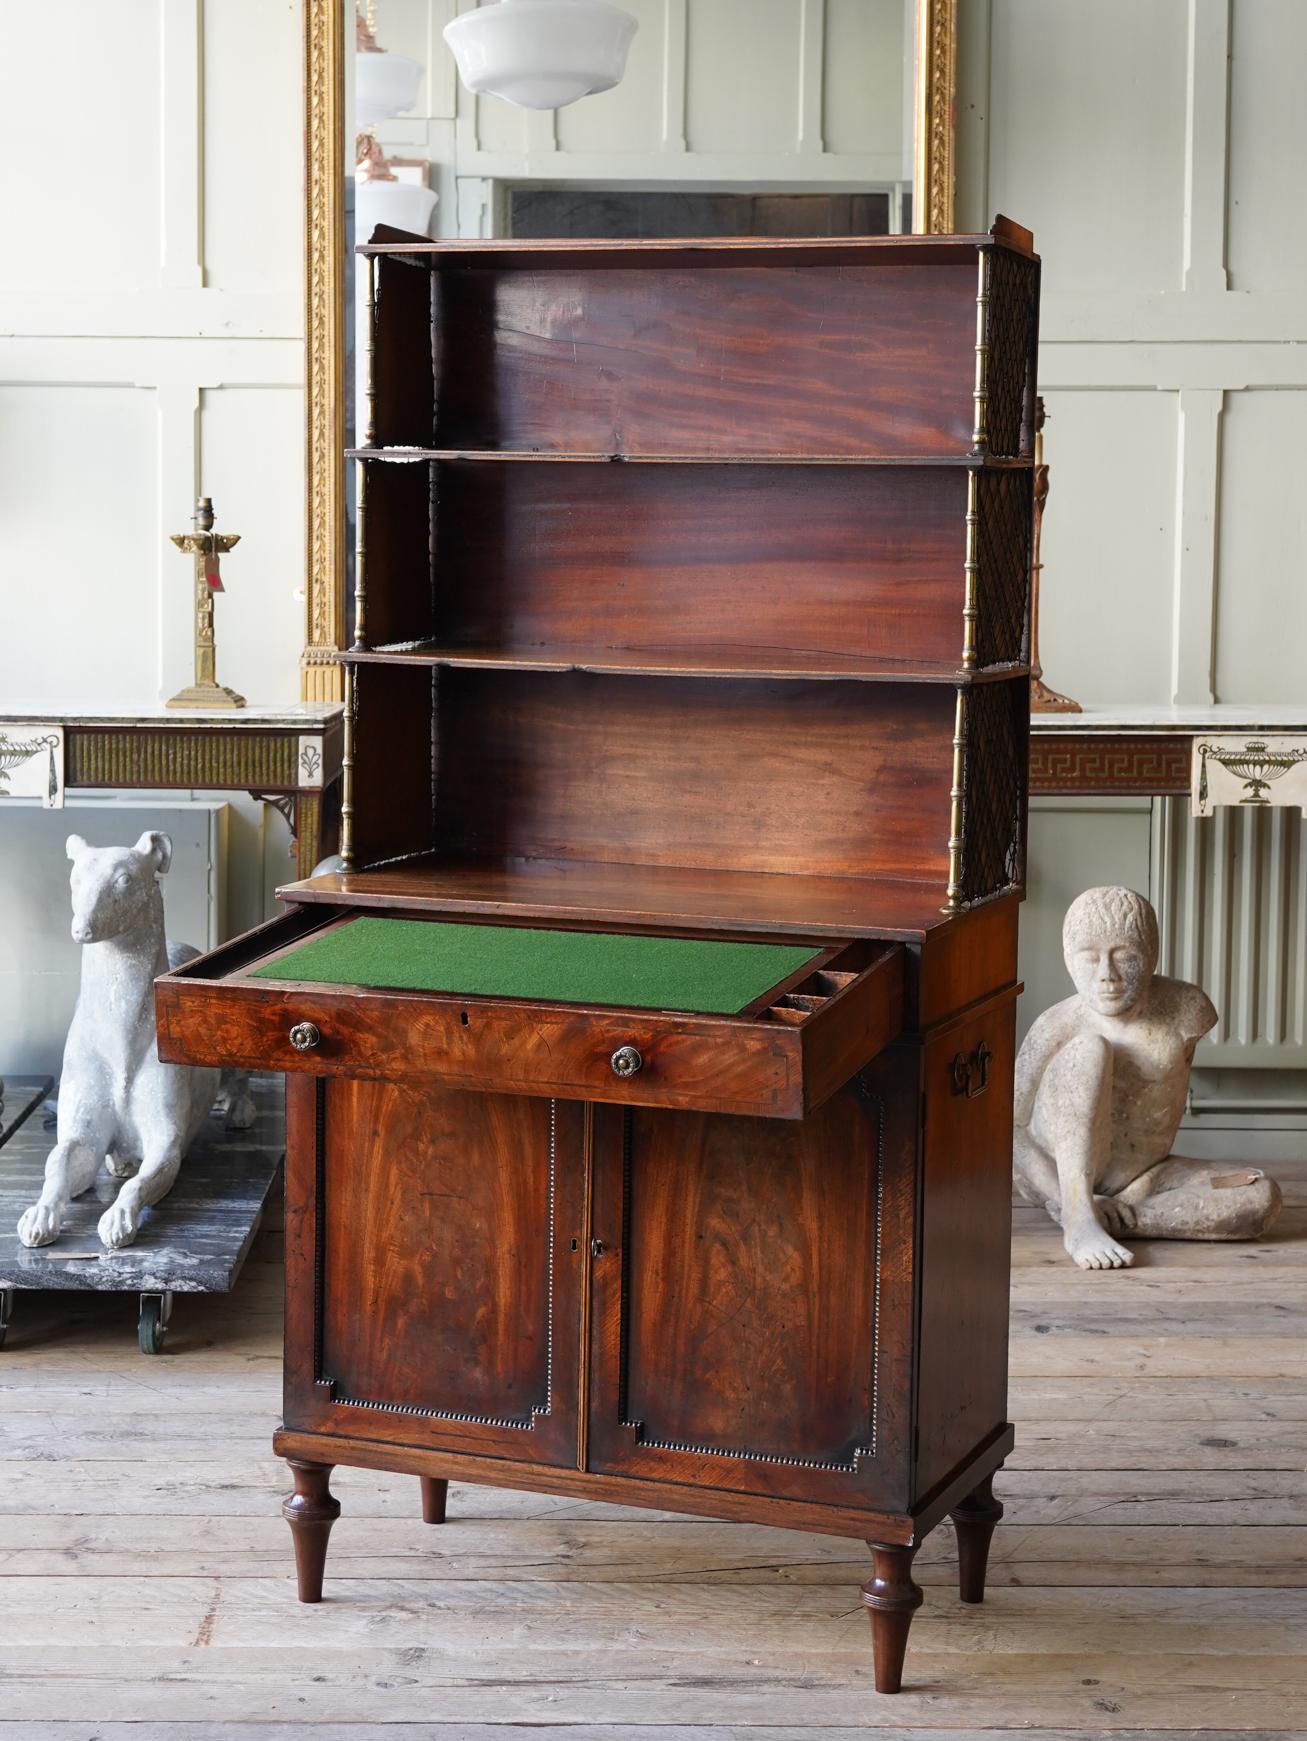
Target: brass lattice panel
(1003,532)
(994,775)
(1013,282)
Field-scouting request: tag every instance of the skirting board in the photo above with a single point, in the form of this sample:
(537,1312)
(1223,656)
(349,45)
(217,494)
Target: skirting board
(1261,1140)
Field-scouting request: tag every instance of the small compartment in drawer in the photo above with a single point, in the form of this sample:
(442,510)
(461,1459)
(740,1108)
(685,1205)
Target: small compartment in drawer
(375,996)
(813,992)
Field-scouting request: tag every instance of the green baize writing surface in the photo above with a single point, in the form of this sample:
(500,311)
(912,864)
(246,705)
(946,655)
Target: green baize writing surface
(698,975)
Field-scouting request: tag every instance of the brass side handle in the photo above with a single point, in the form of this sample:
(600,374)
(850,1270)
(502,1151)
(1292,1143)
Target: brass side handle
(625,1061)
(969,1073)
(304,1036)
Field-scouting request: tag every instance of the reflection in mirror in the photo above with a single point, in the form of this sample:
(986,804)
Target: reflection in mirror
(793,119)
(577,211)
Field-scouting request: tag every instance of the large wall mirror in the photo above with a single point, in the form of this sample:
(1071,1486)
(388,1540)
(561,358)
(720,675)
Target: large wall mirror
(735,117)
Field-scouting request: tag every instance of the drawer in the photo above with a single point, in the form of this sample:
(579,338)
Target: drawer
(783,1055)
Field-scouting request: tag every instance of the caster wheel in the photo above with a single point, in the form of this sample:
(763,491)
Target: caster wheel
(152,1326)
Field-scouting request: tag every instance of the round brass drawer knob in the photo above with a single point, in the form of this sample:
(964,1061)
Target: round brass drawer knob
(625,1061)
(304,1036)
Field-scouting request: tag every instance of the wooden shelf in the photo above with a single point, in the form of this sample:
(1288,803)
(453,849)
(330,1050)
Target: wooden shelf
(757,663)
(531,256)
(403,455)
(654,897)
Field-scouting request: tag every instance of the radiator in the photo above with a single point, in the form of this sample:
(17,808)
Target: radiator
(1231,896)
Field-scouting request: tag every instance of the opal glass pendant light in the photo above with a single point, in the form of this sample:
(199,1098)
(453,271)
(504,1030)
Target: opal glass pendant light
(542,54)
(401,204)
(384,85)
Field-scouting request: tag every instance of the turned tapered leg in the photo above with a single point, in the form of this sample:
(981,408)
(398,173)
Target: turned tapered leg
(974,1520)
(892,1599)
(434,1494)
(310,1511)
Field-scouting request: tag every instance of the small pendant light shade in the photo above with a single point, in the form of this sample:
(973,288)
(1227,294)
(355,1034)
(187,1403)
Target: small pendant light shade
(384,85)
(401,204)
(542,54)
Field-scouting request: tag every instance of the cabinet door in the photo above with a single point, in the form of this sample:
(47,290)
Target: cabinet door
(753,1297)
(432,1265)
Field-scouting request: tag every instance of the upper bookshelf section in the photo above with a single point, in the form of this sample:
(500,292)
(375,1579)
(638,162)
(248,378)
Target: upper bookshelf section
(697,557)
(889,349)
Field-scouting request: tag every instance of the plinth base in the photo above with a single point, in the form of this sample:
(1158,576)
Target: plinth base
(205,695)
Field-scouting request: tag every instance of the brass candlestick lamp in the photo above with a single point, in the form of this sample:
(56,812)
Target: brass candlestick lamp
(206,546)
(1042,698)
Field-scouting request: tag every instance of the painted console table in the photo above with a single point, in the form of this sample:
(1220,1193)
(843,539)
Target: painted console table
(1147,751)
(290,757)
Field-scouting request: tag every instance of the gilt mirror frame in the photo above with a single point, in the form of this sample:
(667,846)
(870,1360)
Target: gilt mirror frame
(324,23)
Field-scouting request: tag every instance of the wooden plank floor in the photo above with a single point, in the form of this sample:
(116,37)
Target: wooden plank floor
(1148,1579)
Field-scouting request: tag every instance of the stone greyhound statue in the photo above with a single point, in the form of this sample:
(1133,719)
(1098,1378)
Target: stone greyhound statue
(117,1101)
(1101,1084)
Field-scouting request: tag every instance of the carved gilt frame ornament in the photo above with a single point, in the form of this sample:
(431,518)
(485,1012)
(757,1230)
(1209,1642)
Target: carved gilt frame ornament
(934,179)
(326,153)
(321,675)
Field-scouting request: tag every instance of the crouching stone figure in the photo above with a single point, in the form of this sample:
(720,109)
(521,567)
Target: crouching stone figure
(1101,1083)
(117,1101)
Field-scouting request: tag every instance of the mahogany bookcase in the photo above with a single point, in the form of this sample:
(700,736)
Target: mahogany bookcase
(692,601)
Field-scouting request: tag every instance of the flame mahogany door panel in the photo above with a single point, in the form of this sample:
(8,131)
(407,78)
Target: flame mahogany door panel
(753,1287)
(433,1264)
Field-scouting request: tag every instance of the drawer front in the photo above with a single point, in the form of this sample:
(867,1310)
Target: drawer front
(211,1013)
(719,1065)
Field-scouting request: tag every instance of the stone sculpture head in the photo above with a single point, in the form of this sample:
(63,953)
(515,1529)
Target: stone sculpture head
(115,888)
(1109,941)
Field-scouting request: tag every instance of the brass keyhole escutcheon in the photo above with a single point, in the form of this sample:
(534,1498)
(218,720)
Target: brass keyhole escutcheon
(626,1061)
(304,1036)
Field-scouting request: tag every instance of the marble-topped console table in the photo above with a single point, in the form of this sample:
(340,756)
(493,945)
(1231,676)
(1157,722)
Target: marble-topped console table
(1144,750)
(290,757)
